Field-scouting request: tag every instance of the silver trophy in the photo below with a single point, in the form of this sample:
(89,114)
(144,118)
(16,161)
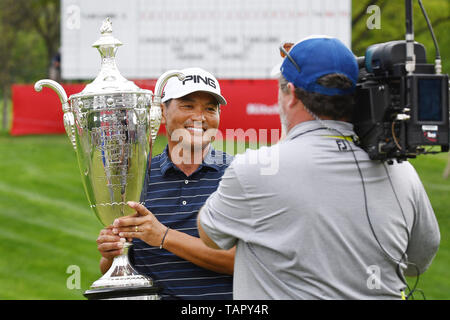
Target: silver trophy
(112,125)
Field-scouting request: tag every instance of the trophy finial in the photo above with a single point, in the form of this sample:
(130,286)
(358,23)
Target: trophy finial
(106,38)
(106,26)
(109,77)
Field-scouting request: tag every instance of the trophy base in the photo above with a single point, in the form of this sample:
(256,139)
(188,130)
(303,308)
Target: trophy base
(124,293)
(123,282)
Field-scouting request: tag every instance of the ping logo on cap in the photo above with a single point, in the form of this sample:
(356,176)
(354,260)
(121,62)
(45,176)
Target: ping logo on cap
(197,78)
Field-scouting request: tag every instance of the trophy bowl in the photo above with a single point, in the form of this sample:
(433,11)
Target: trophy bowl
(112,125)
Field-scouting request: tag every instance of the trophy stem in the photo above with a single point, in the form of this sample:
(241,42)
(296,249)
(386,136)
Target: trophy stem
(122,281)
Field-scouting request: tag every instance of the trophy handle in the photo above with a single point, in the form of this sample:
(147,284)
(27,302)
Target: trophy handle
(55,86)
(155,110)
(69,121)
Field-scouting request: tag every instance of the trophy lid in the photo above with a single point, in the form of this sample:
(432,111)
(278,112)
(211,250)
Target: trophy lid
(109,80)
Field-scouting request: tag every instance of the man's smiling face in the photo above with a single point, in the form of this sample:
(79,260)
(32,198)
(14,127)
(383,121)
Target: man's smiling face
(188,118)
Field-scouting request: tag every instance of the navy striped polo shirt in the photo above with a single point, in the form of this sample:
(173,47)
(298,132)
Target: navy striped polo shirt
(175,200)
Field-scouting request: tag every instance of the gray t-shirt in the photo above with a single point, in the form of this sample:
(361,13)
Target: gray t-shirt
(297,213)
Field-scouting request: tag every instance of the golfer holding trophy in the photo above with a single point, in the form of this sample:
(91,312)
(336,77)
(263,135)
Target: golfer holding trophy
(112,125)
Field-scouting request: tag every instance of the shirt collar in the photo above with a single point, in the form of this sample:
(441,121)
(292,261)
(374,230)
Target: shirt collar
(345,128)
(211,160)
(164,161)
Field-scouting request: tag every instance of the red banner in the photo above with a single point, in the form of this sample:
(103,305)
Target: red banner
(251,112)
(38,112)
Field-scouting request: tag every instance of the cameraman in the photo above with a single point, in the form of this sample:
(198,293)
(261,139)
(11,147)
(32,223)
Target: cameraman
(331,223)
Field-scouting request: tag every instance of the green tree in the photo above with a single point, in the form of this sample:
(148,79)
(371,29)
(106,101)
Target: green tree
(392,26)
(30,38)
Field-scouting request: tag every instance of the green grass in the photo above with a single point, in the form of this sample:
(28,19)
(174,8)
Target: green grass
(46,224)
(436,281)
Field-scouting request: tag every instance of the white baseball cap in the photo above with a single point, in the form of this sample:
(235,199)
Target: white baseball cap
(196,79)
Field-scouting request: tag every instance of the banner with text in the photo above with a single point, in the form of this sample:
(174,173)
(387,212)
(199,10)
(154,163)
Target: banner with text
(251,112)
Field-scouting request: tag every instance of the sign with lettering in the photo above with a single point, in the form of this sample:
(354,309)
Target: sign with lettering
(232,39)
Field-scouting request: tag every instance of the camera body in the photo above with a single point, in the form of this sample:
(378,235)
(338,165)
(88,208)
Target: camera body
(398,114)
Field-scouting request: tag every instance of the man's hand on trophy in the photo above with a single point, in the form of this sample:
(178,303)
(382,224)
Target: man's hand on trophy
(109,245)
(142,225)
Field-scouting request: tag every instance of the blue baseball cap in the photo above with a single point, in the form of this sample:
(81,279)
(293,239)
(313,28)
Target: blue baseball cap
(315,57)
